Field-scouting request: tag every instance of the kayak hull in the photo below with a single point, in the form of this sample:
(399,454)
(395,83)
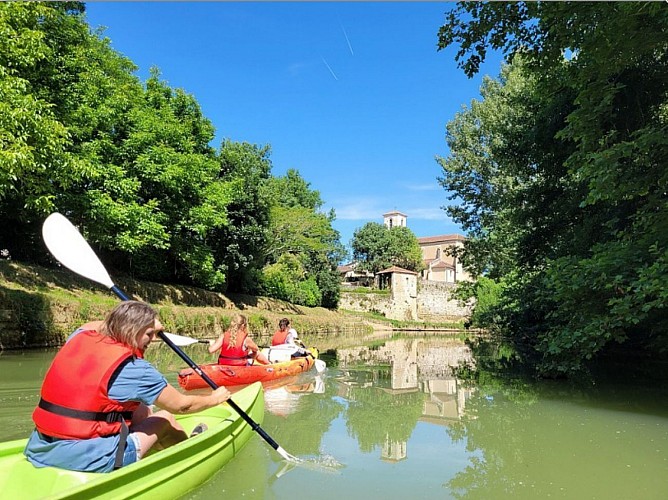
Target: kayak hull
(166,474)
(238,375)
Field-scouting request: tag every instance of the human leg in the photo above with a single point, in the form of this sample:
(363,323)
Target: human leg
(158,430)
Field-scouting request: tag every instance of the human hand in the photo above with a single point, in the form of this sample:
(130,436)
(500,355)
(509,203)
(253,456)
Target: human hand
(221,395)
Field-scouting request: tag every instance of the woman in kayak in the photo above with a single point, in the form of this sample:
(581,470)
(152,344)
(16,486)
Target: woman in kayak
(285,334)
(236,346)
(95,412)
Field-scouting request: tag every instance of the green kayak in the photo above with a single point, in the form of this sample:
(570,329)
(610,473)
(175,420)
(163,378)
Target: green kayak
(165,474)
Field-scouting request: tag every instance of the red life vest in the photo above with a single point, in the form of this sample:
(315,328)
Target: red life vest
(280,336)
(74,400)
(234,356)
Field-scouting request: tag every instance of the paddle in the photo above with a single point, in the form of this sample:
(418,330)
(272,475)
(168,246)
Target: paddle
(70,248)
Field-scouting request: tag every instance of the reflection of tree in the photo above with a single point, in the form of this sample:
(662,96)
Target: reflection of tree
(500,433)
(375,416)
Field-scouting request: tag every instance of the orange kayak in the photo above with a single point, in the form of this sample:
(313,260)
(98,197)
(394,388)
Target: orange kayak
(238,375)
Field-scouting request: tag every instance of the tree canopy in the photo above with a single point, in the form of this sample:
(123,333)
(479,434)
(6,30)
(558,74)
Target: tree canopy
(561,169)
(131,163)
(376,247)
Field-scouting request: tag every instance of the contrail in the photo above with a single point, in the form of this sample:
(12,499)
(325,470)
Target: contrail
(330,69)
(347,40)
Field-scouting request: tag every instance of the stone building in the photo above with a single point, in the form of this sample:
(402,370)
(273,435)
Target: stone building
(439,264)
(394,219)
(403,284)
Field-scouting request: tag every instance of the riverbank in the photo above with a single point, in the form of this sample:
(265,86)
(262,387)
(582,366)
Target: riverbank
(39,307)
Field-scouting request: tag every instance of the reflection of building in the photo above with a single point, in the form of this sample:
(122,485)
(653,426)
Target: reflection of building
(427,365)
(393,451)
(446,402)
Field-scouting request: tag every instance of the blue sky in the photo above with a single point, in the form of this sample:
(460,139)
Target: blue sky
(354,95)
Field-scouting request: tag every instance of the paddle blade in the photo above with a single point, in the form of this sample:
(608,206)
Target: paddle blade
(182,340)
(66,244)
(320,365)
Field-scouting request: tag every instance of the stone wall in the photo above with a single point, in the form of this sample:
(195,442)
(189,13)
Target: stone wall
(366,302)
(434,303)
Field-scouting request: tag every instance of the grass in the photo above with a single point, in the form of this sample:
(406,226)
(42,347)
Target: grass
(40,307)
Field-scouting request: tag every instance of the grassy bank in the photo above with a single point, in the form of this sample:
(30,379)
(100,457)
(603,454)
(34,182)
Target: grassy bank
(39,307)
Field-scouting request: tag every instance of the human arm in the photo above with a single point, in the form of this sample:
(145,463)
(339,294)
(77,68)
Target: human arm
(140,381)
(176,402)
(215,345)
(250,345)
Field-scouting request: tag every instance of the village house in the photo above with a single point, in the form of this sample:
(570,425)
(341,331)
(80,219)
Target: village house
(439,265)
(413,297)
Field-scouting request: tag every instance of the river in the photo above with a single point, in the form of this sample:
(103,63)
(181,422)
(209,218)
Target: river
(393,413)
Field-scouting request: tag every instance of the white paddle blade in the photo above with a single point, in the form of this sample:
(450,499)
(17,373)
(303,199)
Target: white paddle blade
(66,244)
(320,365)
(180,340)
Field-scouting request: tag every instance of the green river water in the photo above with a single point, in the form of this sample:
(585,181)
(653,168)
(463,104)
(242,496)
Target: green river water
(403,426)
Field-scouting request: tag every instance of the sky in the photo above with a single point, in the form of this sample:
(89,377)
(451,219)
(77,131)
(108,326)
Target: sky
(353,95)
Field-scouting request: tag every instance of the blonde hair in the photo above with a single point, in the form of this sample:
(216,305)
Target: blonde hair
(238,323)
(127,320)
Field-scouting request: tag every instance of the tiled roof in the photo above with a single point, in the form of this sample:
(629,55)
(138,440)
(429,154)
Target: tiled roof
(395,269)
(443,238)
(394,212)
(442,265)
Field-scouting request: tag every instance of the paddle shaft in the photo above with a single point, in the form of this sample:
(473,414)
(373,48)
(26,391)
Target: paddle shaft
(254,425)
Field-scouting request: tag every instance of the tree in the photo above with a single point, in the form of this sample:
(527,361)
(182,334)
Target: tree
(568,204)
(298,229)
(240,245)
(376,247)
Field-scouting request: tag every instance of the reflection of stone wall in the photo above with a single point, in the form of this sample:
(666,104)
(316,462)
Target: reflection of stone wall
(412,360)
(427,365)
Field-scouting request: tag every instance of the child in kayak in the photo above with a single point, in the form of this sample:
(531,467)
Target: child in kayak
(95,412)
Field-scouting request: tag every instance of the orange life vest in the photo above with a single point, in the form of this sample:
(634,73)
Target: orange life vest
(280,336)
(234,356)
(74,400)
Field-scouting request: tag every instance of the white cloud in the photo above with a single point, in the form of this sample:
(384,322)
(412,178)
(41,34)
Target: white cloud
(364,208)
(423,187)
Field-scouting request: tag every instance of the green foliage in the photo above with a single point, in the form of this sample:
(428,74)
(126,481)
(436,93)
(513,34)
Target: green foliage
(297,229)
(130,163)
(286,280)
(376,247)
(487,295)
(561,172)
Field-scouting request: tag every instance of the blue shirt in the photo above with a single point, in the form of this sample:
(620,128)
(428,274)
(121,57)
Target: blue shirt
(137,381)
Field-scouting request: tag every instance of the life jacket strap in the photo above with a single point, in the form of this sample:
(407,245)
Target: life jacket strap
(109,416)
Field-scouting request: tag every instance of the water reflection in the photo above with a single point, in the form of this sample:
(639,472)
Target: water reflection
(396,384)
(397,413)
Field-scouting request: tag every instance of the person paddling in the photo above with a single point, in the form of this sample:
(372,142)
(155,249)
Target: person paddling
(94,413)
(235,345)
